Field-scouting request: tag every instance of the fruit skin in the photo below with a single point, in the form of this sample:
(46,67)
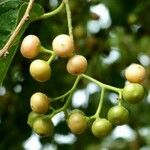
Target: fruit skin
(32,117)
(77,65)
(101,127)
(77,122)
(133,93)
(135,73)
(118,115)
(77,111)
(30,46)
(39,103)
(63,45)
(40,70)
(43,127)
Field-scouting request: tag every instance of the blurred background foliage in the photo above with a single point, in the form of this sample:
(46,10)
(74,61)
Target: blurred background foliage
(111,37)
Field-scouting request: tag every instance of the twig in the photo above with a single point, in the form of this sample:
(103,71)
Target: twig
(52,13)
(5,50)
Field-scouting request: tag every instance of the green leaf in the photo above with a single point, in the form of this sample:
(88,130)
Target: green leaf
(11,11)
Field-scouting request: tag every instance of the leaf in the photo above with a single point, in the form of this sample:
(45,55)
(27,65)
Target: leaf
(8,15)
(11,12)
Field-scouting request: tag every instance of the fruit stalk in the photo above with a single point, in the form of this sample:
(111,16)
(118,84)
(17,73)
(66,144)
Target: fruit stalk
(69,18)
(52,13)
(109,87)
(97,114)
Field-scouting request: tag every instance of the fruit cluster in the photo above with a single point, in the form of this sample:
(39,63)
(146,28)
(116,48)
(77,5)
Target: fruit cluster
(62,45)
(40,70)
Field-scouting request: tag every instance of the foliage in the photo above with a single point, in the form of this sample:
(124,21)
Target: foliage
(12,12)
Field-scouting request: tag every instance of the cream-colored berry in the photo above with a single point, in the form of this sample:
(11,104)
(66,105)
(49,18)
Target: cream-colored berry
(30,46)
(135,73)
(63,45)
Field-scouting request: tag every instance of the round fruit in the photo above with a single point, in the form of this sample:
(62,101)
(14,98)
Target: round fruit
(132,18)
(79,31)
(40,70)
(43,127)
(77,122)
(135,73)
(32,117)
(30,46)
(118,115)
(63,45)
(133,92)
(77,65)
(39,103)
(101,127)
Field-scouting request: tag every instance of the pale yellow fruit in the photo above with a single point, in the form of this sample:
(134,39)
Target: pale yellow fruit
(39,103)
(40,70)
(30,46)
(135,73)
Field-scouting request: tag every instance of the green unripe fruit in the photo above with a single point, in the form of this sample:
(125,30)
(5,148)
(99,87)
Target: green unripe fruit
(133,93)
(101,127)
(40,70)
(32,117)
(79,31)
(132,18)
(77,122)
(43,127)
(118,115)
